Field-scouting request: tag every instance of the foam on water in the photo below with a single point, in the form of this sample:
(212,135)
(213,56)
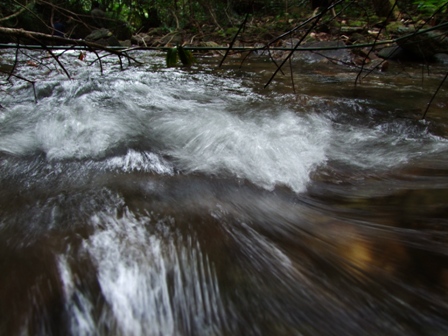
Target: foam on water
(139,161)
(118,251)
(383,145)
(199,128)
(153,282)
(266,149)
(198,123)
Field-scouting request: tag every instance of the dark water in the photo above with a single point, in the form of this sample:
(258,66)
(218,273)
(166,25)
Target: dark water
(157,201)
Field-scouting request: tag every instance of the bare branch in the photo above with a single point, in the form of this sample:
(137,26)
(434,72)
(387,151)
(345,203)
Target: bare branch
(234,39)
(390,15)
(42,39)
(434,96)
(6,18)
(24,79)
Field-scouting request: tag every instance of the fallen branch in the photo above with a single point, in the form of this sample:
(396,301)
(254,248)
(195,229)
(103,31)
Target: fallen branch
(66,43)
(45,42)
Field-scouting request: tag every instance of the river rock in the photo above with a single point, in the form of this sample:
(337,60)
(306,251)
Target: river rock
(393,52)
(142,39)
(103,37)
(424,46)
(324,56)
(441,58)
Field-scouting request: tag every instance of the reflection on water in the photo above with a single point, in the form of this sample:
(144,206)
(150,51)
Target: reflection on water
(185,203)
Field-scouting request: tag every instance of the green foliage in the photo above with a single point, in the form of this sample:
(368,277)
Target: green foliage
(174,54)
(186,56)
(219,16)
(430,6)
(171,57)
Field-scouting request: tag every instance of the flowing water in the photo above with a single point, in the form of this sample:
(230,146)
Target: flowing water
(156,201)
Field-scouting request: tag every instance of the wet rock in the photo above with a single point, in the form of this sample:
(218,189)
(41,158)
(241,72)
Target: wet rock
(441,58)
(425,46)
(174,38)
(378,64)
(142,39)
(126,43)
(393,52)
(98,34)
(325,55)
(398,28)
(103,37)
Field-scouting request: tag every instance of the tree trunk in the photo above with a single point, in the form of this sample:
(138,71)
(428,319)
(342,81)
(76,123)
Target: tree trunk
(385,8)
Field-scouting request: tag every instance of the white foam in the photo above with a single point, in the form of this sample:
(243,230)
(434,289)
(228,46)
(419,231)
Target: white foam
(141,162)
(203,129)
(200,123)
(134,270)
(266,149)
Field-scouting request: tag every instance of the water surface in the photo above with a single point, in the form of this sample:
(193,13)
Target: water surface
(156,201)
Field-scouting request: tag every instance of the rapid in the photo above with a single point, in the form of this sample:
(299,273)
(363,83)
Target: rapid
(174,201)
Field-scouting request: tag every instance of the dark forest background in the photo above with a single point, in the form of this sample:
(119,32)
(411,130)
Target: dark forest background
(77,18)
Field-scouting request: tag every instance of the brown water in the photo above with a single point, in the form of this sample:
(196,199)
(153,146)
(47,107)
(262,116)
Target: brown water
(194,202)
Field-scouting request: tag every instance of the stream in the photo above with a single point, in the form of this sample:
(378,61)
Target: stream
(174,201)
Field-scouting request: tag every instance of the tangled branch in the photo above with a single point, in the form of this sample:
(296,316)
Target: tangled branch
(45,41)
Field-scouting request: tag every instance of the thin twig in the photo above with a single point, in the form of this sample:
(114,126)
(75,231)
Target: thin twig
(434,95)
(292,76)
(304,23)
(16,61)
(234,39)
(66,43)
(99,60)
(296,46)
(24,79)
(20,11)
(56,58)
(374,43)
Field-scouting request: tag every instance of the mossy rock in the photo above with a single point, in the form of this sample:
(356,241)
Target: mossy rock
(393,52)
(357,23)
(397,27)
(425,46)
(98,34)
(103,37)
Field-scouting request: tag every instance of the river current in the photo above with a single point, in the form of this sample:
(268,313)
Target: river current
(172,201)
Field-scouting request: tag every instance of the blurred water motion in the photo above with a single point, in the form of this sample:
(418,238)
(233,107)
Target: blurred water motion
(189,203)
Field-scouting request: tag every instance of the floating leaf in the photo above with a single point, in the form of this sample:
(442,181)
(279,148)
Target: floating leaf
(171,57)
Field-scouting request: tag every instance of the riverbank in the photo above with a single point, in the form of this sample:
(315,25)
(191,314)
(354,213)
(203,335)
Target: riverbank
(378,43)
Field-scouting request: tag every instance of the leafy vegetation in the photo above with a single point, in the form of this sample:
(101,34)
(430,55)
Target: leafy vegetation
(195,15)
(430,6)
